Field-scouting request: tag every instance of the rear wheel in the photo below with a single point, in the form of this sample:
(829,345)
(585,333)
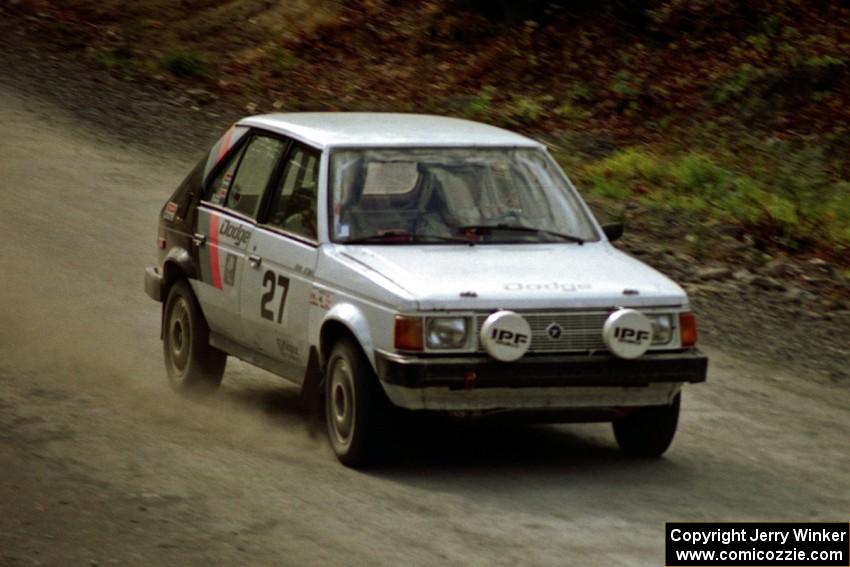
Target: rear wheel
(356,408)
(649,431)
(193,366)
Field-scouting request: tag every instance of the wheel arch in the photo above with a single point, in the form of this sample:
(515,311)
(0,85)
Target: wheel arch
(178,264)
(345,319)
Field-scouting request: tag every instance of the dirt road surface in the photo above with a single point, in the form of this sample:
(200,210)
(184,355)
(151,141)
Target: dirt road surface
(102,465)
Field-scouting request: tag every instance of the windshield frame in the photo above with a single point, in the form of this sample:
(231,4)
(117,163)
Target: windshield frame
(582,206)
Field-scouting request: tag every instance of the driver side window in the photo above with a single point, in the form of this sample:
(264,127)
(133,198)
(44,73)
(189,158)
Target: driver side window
(293,206)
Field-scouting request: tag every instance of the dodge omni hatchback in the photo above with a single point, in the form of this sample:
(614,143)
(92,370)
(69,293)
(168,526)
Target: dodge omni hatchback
(396,263)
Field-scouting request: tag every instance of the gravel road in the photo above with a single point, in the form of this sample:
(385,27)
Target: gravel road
(103,465)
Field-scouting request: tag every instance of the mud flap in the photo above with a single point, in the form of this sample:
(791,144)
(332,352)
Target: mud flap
(310,397)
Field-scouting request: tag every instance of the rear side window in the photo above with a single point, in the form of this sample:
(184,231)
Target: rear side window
(217,190)
(220,149)
(240,184)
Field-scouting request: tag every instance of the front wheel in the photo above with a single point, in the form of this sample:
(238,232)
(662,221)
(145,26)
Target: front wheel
(648,432)
(193,366)
(356,407)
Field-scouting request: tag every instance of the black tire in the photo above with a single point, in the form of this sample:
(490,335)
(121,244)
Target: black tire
(193,366)
(356,408)
(648,432)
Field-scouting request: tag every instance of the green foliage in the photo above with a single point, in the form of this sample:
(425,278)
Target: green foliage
(581,92)
(523,110)
(282,61)
(789,75)
(807,207)
(782,194)
(825,62)
(479,106)
(519,110)
(115,59)
(625,84)
(569,111)
(185,63)
(737,85)
(760,42)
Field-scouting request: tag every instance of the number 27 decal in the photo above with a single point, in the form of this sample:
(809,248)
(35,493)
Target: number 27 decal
(271,282)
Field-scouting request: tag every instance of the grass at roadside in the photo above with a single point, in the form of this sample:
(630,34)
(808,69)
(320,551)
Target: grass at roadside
(781,194)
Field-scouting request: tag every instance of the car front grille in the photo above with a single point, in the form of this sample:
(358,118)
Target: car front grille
(580,331)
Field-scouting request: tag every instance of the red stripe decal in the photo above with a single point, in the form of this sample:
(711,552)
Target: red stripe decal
(225,143)
(215,269)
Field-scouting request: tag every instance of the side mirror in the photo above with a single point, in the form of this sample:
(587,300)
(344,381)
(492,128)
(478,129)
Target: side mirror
(613,231)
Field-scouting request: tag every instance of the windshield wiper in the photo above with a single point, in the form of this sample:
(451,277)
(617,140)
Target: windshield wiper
(401,237)
(520,228)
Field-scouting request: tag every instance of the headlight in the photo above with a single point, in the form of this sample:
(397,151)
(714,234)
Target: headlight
(446,332)
(662,328)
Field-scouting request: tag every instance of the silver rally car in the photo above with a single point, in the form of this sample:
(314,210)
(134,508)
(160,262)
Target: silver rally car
(406,262)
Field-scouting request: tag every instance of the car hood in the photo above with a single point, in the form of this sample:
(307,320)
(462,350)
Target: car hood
(519,276)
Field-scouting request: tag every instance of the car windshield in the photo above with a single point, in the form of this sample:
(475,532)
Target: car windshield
(457,195)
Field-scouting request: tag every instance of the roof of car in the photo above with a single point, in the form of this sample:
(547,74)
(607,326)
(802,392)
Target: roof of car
(378,129)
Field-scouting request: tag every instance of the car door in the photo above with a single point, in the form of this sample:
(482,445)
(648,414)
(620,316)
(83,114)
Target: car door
(282,258)
(226,219)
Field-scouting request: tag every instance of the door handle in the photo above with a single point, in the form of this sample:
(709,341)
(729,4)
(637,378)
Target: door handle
(255,260)
(199,239)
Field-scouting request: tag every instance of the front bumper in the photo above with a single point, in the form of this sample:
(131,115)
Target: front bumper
(537,382)
(153,283)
